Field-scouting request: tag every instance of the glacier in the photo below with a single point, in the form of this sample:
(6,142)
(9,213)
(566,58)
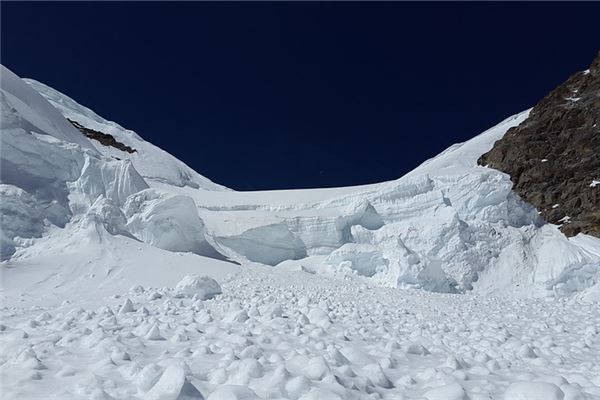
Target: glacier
(127,275)
(448,225)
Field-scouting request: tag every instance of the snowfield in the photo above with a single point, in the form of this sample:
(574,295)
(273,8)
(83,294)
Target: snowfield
(131,276)
(295,335)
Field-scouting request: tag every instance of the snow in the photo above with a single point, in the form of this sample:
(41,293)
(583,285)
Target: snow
(378,342)
(200,287)
(166,221)
(533,391)
(23,106)
(137,277)
(173,385)
(233,392)
(152,163)
(452,391)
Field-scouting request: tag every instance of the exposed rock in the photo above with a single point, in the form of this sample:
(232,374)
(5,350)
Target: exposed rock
(553,157)
(104,138)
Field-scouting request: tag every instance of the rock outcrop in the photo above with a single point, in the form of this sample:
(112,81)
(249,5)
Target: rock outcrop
(104,138)
(553,157)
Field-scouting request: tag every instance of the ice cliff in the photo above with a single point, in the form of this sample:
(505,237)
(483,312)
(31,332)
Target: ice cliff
(449,225)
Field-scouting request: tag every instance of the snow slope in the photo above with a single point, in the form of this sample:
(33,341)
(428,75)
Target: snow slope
(449,225)
(294,335)
(107,287)
(64,229)
(152,163)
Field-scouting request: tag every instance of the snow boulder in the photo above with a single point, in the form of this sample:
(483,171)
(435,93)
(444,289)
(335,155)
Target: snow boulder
(203,287)
(173,385)
(233,392)
(319,318)
(452,391)
(533,391)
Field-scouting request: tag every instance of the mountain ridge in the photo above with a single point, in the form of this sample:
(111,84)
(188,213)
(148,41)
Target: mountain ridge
(553,157)
(449,225)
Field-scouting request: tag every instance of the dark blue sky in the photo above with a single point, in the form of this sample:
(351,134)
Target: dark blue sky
(291,95)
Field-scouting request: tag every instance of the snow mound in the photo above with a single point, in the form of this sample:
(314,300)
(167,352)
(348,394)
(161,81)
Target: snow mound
(533,391)
(200,287)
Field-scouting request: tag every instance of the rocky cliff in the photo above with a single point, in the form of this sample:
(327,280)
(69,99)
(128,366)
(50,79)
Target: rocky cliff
(553,157)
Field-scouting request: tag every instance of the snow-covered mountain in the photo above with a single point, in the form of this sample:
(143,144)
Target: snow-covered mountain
(152,163)
(440,285)
(449,225)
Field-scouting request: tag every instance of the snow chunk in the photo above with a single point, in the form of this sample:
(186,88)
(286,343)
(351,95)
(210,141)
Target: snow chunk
(320,394)
(533,391)
(319,317)
(154,333)
(417,349)
(126,307)
(167,221)
(316,368)
(452,391)
(147,377)
(233,392)
(173,385)
(203,287)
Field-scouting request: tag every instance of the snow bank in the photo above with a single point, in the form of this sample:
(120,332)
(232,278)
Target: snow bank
(200,287)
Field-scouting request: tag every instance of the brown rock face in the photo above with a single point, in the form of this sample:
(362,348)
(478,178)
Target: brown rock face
(553,157)
(104,138)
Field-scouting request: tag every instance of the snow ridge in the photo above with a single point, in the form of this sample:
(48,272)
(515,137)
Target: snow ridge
(130,276)
(152,163)
(449,225)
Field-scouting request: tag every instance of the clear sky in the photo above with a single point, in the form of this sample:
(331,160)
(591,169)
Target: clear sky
(293,95)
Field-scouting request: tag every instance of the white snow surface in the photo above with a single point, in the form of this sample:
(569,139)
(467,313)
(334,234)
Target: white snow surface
(296,335)
(153,163)
(131,276)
